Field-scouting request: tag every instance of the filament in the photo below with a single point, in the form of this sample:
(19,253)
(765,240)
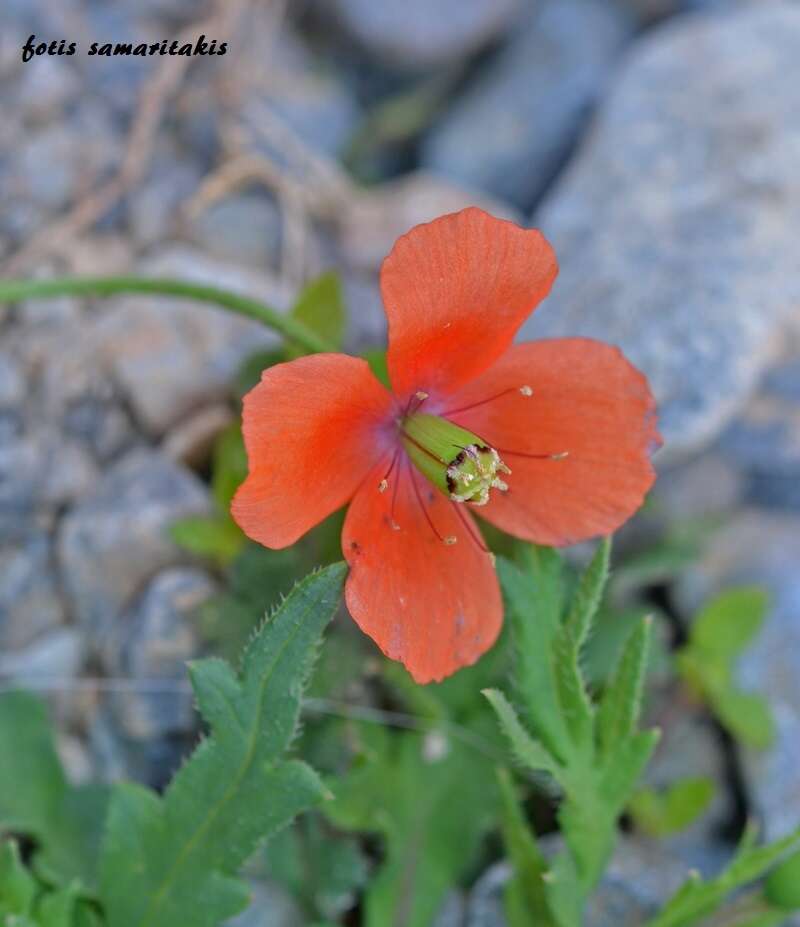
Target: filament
(450,539)
(522,390)
(471,530)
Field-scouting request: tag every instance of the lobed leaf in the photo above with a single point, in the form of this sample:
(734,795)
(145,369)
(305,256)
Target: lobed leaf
(173,860)
(620,706)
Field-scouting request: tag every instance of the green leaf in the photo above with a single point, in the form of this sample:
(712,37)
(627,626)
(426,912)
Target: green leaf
(697,899)
(671,810)
(376,359)
(173,860)
(534,599)
(58,908)
(587,597)
(320,307)
(525,895)
(729,622)
(529,752)
(17,885)
(621,703)
(229,465)
(746,715)
(36,799)
(214,536)
(432,799)
(782,886)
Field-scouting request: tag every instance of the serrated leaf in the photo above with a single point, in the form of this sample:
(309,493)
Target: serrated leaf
(58,908)
(587,597)
(529,752)
(534,599)
(320,307)
(671,810)
(36,799)
(624,767)
(729,622)
(697,899)
(525,895)
(173,860)
(621,703)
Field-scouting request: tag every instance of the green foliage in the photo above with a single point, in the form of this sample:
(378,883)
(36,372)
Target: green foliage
(320,307)
(36,800)
(718,635)
(217,536)
(666,812)
(173,860)
(782,887)
(595,756)
(27,902)
(697,899)
(525,896)
(431,797)
(324,871)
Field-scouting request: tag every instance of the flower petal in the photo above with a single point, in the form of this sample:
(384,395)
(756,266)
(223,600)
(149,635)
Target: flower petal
(588,401)
(435,607)
(456,290)
(313,429)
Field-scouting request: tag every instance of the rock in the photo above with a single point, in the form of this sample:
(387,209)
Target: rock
(172,356)
(416,35)
(117,537)
(154,211)
(12,381)
(30,603)
(270,906)
(674,225)
(689,748)
(764,440)
(761,547)
(513,128)
(709,485)
(52,658)
(101,423)
(640,877)
(47,87)
(452,911)
(192,442)
(244,227)
(288,85)
(377,218)
(149,646)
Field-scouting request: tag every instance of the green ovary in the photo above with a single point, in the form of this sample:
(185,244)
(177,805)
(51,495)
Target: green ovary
(459,463)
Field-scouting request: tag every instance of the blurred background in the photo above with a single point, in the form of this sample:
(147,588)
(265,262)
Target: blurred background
(656,143)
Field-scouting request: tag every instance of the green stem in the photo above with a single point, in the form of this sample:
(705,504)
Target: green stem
(12,291)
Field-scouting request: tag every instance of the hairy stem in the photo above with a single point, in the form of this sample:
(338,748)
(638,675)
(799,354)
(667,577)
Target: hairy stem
(15,290)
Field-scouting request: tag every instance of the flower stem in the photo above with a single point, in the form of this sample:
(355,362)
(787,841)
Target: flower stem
(15,290)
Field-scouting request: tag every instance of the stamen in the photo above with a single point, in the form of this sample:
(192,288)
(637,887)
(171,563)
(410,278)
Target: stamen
(384,483)
(560,455)
(522,390)
(471,530)
(450,539)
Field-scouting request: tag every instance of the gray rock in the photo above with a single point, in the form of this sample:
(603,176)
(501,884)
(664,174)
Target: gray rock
(148,648)
(29,597)
(47,86)
(154,212)
(674,225)
(764,440)
(243,227)
(170,357)
(12,381)
(290,86)
(417,35)
(270,906)
(762,547)
(117,537)
(640,877)
(101,424)
(51,658)
(512,130)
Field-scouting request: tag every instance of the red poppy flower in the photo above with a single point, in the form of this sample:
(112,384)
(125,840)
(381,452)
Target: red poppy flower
(548,441)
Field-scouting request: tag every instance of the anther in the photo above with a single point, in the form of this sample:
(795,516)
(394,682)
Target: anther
(383,485)
(560,456)
(450,540)
(422,396)
(526,390)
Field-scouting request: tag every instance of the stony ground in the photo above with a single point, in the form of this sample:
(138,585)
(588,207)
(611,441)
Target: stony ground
(656,145)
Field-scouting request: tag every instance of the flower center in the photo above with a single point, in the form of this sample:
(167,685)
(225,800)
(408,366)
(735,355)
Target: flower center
(459,463)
